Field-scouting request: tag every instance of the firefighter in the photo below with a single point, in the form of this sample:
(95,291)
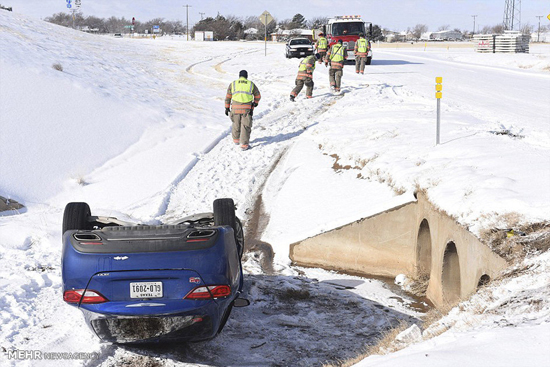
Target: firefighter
(321,46)
(242,96)
(336,56)
(305,76)
(361,51)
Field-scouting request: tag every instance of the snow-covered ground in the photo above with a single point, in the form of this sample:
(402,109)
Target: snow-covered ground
(135,127)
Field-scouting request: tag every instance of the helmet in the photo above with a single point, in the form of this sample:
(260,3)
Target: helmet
(317,56)
(243,73)
(321,34)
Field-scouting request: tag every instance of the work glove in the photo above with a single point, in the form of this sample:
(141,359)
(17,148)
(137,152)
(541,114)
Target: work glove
(254,104)
(227,112)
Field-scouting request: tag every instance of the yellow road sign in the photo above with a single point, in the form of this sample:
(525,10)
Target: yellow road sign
(266,18)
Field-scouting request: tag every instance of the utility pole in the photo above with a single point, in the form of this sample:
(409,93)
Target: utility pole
(474,32)
(202,14)
(187,6)
(538,34)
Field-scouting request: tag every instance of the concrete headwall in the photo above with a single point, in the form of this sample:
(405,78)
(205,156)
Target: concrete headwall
(412,239)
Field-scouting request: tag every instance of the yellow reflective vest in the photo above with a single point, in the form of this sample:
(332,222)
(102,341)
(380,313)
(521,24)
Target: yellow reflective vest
(307,66)
(322,43)
(337,53)
(362,45)
(241,90)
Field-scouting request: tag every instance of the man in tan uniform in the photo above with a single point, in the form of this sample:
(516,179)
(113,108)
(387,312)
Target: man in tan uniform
(336,56)
(361,52)
(321,46)
(305,76)
(241,98)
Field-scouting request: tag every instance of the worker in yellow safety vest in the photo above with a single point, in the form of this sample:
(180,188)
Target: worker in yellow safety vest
(321,46)
(305,76)
(241,98)
(361,51)
(336,56)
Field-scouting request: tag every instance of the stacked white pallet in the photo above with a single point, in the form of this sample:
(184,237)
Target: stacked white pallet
(512,42)
(484,42)
(509,42)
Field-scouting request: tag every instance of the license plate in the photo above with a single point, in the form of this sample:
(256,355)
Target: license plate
(146,290)
(302,53)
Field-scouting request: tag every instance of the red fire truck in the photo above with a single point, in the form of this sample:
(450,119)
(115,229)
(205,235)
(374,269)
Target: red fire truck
(347,28)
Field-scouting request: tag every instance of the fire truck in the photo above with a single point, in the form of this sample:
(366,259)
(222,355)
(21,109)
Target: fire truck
(347,28)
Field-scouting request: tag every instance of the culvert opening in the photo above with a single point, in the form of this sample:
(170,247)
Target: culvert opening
(484,280)
(424,250)
(450,278)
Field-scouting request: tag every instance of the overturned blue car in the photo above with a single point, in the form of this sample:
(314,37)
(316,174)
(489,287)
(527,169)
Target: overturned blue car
(147,283)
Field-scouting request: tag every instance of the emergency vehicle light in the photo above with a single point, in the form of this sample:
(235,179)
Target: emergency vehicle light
(348,17)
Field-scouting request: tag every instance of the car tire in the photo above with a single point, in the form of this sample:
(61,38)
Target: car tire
(369,59)
(76,216)
(224,215)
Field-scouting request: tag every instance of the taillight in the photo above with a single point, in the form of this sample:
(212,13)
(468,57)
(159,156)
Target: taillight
(210,291)
(82,296)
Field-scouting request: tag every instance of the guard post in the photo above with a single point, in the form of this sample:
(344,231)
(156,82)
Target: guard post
(438,89)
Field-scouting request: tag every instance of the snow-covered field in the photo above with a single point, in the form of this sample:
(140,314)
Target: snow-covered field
(136,128)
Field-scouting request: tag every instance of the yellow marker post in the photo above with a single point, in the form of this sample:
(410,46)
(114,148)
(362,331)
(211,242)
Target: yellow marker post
(438,94)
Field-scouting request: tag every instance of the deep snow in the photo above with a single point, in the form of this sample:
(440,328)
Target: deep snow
(135,127)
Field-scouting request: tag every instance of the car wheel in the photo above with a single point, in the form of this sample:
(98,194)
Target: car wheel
(224,215)
(369,59)
(239,237)
(76,216)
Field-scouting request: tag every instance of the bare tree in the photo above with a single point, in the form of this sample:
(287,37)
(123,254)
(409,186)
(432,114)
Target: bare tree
(418,30)
(498,29)
(444,27)
(284,24)
(317,22)
(526,29)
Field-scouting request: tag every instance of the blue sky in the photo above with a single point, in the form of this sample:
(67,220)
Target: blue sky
(392,14)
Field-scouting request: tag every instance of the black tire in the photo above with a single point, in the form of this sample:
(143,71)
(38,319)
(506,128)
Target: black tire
(239,237)
(224,215)
(76,216)
(369,59)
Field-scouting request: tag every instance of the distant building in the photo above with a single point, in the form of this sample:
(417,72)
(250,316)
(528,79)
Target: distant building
(204,36)
(391,36)
(543,37)
(446,35)
(287,34)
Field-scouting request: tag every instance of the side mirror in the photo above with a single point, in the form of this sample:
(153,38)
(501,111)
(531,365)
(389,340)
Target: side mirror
(241,302)
(370,30)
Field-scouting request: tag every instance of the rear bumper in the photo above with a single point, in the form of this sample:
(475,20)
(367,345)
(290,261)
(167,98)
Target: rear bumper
(299,53)
(196,325)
